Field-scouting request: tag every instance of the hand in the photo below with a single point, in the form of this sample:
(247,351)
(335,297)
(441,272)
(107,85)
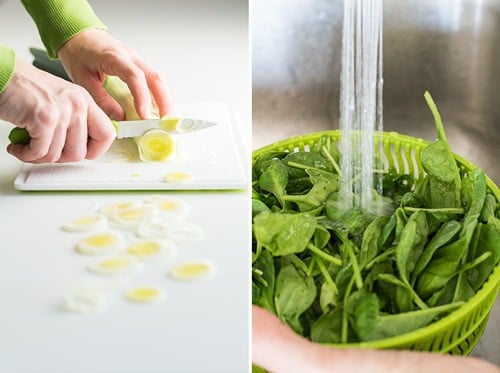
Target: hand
(92,54)
(64,123)
(277,348)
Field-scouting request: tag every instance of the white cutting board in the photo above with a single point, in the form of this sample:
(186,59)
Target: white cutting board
(213,158)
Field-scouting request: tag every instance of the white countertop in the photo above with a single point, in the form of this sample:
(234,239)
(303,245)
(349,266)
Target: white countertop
(202,49)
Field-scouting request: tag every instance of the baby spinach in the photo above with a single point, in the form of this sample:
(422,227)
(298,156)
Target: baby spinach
(327,328)
(474,191)
(489,241)
(411,244)
(338,275)
(263,267)
(444,235)
(284,233)
(295,291)
(274,179)
(387,326)
(446,260)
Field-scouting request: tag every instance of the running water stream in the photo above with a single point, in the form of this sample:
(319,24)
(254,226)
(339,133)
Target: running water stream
(361,118)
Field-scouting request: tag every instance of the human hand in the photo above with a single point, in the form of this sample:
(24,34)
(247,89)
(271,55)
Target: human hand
(92,54)
(64,123)
(276,348)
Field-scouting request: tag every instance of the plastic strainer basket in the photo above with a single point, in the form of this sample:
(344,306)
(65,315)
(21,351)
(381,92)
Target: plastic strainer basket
(458,332)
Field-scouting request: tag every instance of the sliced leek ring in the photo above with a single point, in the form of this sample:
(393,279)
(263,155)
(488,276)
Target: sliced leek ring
(155,145)
(101,243)
(145,294)
(191,271)
(86,223)
(116,266)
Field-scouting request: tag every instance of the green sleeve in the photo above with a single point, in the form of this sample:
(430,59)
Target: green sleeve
(59,20)
(7,62)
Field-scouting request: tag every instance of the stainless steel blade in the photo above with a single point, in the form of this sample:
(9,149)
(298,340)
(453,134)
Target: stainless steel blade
(135,128)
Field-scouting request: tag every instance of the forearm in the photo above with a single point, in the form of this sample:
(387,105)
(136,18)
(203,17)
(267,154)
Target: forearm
(7,63)
(59,20)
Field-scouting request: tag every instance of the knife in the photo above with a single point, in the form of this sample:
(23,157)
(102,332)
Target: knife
(134,128)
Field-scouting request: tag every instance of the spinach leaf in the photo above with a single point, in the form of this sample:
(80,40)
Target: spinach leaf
(327,297)
(388,233)
(392,325)
(295,291)
(363,308)
(474,191)
(489,207)
(441,167)
(327,328)
(262,163)
(405,295)
(316,197)
(411,244)
(284,233)
(274,179)
(488,241)
(321,237)
(371,240)
(446,260)
(258,206)
(443,236)
(298,162)
(265,296)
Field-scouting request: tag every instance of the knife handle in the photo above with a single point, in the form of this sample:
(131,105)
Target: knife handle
(21,136)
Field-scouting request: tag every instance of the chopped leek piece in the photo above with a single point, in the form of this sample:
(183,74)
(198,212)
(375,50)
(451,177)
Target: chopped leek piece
(145,294)
(100,243)
(155,145)
(191,271)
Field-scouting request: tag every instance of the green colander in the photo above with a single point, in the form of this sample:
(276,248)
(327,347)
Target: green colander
(458,332)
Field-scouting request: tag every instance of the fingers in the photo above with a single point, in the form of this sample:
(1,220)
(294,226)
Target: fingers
(101,132)
(158,88)
(83,131)
(135,79)
(103,99)
(145,84)
(47,131)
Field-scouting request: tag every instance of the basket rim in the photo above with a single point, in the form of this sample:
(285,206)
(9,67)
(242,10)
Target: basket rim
(489,289)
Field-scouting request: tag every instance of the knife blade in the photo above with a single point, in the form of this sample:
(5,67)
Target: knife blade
(133,128)
(173,125)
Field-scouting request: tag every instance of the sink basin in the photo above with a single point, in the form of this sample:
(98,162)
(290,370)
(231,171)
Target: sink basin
(449,47)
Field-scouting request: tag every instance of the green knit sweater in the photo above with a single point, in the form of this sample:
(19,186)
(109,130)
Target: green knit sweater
(57,21)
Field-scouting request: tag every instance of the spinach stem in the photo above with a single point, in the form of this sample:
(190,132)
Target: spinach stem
(481,258)
(449,210)
(418,301)
(326,274)
(380,257)
(257,252)
(304,167)
(327,154)
(310,269)
(355,265)
(345,324)
(324,255)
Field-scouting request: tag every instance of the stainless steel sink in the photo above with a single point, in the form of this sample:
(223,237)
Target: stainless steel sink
(449,47)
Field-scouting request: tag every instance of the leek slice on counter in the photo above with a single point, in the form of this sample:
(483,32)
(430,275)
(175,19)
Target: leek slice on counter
(191,271)
(100,243)
(116,265)
(145,294)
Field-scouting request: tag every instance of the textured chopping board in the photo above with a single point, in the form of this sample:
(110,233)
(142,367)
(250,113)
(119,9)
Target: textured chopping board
(212,158)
